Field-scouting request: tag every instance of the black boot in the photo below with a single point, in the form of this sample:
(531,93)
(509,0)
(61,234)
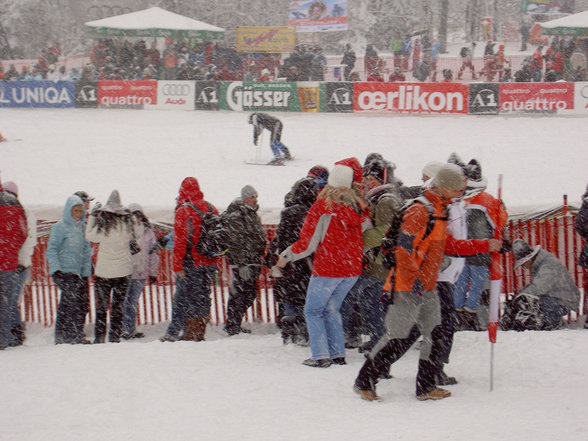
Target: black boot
(444,380)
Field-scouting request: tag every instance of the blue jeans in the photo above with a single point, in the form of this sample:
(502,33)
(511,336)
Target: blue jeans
(130,306)
(473,277)
(367,293)
(322,311)
(7,280)
(192,297)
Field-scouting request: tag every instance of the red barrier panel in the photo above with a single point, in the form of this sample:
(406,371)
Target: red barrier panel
(40,299)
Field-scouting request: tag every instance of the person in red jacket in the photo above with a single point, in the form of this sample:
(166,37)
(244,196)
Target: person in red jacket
(13,233)
(332,231)
(194,272)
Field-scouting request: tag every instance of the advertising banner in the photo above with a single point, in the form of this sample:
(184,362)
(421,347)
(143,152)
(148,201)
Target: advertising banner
(536,98)
(581,97)
(265,39)
(176,95)
(207,95)
(87,94)
(270,96)
(547,6)
(37,94)
(410,97)
(318,15)
(483,98)
(338,97)
(309,94)
(127,94)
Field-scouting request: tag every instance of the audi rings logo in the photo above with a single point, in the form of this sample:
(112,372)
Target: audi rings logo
(175,89)
(584,91)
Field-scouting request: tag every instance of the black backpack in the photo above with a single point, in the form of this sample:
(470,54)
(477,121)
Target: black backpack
(214,237)
(390,240)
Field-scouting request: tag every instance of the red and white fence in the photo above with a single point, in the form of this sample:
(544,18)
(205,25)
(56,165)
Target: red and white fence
(554,232)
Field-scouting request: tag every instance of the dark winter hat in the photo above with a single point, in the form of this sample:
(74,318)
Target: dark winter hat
(449,176)
(372,157)
(113,204)
(248,192)
(380,169)
(474,174)
(523,252)
(84,196)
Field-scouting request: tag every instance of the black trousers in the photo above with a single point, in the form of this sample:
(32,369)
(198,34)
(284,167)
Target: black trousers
(242,295)
(72,308)
(103,287)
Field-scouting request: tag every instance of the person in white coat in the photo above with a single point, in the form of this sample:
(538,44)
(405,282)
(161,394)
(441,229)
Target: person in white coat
(111,227)
(23,272)
(144,269)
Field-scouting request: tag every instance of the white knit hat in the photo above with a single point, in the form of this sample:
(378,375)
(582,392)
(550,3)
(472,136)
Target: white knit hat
(449,176)
(340,176)
(431,168)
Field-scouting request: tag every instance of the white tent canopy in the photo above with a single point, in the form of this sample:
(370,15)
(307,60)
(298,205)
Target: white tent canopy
(153,22)
(575,25)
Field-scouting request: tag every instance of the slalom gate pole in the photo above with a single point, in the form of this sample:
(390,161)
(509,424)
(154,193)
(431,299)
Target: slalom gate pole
(491,367)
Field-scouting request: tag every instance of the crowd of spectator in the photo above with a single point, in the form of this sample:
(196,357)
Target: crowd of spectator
(414,58)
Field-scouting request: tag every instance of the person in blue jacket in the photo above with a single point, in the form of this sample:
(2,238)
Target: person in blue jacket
(69,257)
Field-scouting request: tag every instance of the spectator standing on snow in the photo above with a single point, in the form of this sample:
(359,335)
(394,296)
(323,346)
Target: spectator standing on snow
(581,226)
(110,226)
(144,269)
(247,243)
(290,284)
(486,218)
(414,297)
(23,273)
(382,194)
(69,256)
(13,233)
(332,231)
(194,271)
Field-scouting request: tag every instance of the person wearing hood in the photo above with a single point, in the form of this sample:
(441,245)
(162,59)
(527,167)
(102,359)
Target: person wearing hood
(144,268)
(23,273)
(111,227)
(382,195)
(194,271)
(290,285)
(551,286)
(69,256)
(581,227)
(332,231)
(246,248)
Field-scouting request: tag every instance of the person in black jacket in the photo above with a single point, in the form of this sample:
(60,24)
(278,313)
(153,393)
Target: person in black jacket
(262,121)
(246,248)
(581,226)
(290,286)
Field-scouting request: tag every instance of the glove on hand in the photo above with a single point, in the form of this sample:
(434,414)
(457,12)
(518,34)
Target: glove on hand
(244,272)
(152,279)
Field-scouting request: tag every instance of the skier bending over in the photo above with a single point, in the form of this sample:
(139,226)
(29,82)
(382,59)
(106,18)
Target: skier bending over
(262,121)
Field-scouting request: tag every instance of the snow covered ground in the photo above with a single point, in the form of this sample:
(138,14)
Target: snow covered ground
(251,387)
